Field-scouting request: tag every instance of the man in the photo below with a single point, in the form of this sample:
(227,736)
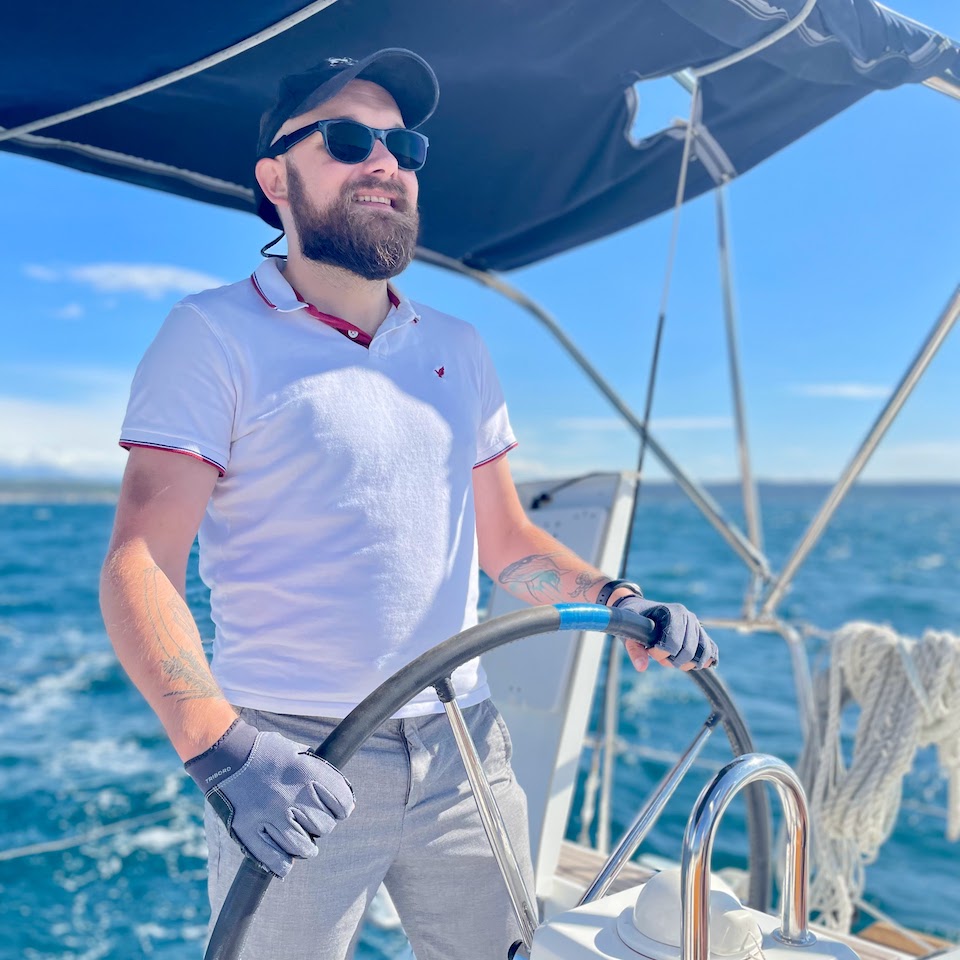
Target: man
(344,463)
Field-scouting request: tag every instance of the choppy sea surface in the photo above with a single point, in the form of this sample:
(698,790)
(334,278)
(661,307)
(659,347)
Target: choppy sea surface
(101,849)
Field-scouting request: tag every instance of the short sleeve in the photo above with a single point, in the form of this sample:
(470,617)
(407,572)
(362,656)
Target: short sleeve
(183,397)
(495,435)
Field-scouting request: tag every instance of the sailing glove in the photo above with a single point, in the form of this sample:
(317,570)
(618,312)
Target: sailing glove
(274,795)
(679,633)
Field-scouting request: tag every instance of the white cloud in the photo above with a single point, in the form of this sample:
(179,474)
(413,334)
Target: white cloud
(152,280)
(843,391)
(691,423)
(72,311)
(611,424)
(527,468)
(76,438)
(594,424)
(934,460)
(37,272)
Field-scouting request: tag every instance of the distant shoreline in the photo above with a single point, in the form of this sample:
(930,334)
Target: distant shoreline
(48,490)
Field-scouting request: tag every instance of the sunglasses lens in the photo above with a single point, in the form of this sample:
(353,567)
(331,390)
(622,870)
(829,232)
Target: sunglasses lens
(352,142)
(349,142)
(409,147)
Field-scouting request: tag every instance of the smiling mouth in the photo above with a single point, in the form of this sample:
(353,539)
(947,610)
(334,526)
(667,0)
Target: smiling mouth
(374,201)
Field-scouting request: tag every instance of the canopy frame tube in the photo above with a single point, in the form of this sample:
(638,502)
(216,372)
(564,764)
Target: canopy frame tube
(757,47)
(887,415)
(754,559)
(268,33)
(751,500)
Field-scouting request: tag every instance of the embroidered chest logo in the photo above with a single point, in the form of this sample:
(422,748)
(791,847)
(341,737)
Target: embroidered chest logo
(440,372)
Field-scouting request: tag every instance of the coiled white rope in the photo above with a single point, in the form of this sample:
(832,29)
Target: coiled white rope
(908,692)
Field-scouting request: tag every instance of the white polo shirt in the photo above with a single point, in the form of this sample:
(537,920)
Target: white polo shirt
(340,540)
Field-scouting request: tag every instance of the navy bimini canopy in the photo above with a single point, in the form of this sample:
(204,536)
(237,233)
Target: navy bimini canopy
(529,148)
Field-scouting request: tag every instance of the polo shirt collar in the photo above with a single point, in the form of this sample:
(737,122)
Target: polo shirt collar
(273,288)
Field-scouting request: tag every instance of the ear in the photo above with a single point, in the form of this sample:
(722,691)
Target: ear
(271,174)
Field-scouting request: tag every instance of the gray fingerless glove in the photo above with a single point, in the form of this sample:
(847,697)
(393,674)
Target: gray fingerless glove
(679,632)
(273,794)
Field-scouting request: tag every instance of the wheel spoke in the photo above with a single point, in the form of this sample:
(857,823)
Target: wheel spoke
(649,814)
(521,898)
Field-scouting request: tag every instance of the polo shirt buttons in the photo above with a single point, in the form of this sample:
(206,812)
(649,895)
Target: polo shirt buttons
(352,334)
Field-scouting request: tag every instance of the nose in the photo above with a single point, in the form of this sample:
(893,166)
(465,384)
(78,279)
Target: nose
(381,160)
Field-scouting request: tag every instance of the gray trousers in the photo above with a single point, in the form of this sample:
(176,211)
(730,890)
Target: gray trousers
(415,829)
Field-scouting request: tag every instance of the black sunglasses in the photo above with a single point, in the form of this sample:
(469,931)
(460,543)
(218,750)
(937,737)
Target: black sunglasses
(350,141)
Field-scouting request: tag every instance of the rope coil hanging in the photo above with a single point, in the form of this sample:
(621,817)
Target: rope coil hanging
(908,692)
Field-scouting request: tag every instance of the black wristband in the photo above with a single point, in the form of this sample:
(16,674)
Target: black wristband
(604,595)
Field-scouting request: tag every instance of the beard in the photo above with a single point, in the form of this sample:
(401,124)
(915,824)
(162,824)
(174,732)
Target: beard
(373,244)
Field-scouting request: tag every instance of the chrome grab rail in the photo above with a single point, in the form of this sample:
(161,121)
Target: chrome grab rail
(698,847)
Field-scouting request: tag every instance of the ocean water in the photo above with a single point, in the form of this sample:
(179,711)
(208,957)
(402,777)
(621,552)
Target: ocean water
(101,849)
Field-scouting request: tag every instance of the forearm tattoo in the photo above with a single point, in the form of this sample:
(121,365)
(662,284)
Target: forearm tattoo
(537,578)
(585,583)
(183,660)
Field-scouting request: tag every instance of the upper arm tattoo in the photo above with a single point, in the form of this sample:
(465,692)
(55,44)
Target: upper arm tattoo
(183,660)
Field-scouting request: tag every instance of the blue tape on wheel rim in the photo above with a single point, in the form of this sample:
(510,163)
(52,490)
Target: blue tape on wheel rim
(583,616)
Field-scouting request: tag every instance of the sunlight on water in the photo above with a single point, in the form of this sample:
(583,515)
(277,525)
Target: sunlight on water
(80,751)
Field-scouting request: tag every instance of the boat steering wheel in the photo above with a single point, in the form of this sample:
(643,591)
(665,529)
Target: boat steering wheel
(434,668)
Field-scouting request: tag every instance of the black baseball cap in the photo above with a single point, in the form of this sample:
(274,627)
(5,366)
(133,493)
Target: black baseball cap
(408,78)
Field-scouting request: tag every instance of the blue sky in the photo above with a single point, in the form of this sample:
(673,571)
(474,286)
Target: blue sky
(845,251)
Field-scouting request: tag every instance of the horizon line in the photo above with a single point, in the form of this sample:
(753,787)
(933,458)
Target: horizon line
(114,482)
